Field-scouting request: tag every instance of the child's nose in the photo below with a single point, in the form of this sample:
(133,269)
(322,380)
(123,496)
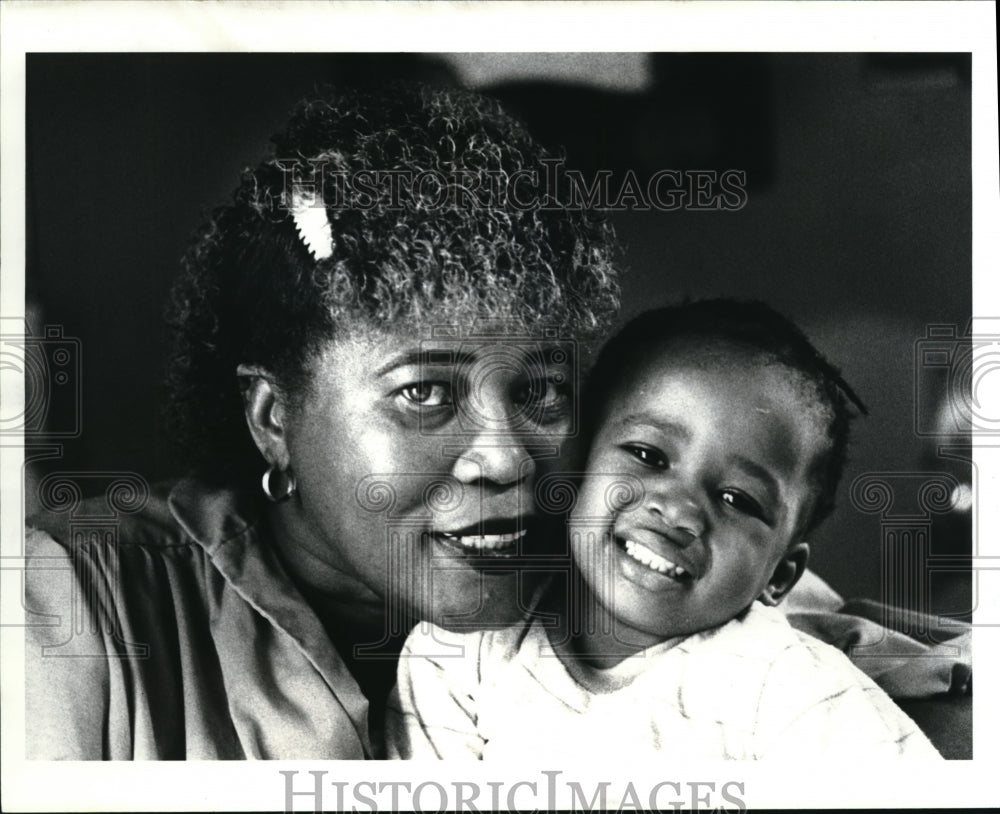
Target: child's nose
(677,510)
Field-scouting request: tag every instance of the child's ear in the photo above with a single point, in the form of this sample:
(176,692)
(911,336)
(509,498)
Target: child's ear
(786,574)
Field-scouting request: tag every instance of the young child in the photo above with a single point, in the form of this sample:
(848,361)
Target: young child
(718,435)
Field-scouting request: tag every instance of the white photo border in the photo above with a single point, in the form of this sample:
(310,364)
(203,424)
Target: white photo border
(28,27)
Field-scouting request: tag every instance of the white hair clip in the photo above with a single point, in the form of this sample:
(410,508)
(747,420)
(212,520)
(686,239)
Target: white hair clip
(312,223)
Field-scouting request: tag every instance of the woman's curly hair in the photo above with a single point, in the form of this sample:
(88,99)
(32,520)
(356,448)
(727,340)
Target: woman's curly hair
(250,292)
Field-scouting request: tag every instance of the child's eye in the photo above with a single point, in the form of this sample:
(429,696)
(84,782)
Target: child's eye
(427,394)
(648,455)
(743,503)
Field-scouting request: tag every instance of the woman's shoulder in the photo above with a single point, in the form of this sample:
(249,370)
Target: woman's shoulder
(150,523)
(158,543)
(166,515)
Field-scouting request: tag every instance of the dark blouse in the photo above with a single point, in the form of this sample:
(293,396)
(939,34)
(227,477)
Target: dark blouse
(178,635)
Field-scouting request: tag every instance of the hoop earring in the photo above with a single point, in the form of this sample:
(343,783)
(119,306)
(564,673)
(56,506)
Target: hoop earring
(266,485)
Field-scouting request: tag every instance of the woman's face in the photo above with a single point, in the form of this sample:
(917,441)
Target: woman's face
(416,463)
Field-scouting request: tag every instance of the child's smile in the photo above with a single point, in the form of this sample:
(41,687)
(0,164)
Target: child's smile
(647,555)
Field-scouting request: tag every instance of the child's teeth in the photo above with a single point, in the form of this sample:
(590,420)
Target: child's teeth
(653,560)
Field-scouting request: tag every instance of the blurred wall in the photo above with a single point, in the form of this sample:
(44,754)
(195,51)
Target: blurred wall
(857,222)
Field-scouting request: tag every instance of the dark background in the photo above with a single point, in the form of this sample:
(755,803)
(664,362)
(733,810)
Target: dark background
(857,224)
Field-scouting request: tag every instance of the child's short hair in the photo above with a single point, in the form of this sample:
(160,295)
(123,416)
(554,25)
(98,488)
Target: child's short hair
(760,330)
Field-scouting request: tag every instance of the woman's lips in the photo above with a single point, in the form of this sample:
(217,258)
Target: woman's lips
(484,543)
(494,537)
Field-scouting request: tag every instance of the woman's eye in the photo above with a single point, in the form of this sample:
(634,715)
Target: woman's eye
(648,455)
(544,394)
(743,503)
(427,394)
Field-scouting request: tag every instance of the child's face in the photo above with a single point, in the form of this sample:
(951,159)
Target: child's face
(722,447)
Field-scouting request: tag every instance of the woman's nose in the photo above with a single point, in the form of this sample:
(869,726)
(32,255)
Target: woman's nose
(497,459)
(677,511)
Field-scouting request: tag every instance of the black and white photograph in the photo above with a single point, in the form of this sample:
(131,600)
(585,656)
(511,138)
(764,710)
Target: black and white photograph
(588,423)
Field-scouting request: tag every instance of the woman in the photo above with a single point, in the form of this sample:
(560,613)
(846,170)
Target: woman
(372,372)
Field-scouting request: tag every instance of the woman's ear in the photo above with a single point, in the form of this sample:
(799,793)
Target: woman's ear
(265,411)
(791,566)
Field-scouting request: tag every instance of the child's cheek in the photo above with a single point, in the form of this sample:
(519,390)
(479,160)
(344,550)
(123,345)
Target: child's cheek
(592,502)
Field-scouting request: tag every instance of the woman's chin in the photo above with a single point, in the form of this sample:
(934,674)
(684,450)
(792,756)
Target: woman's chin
(466,599)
